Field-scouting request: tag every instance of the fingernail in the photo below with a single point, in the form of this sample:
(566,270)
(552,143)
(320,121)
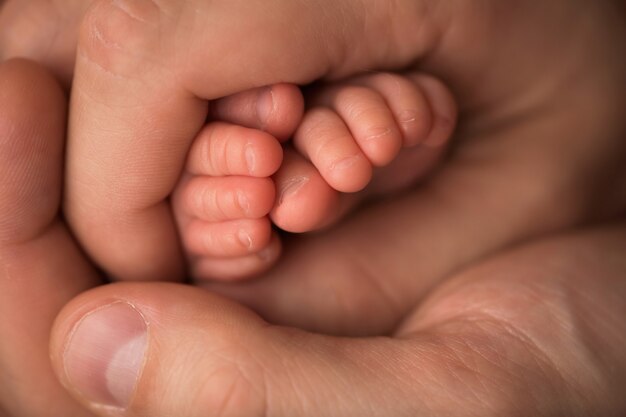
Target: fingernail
(105,354)
(265,106)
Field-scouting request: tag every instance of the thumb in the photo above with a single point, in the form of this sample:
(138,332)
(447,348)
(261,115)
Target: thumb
(170,350)
(143,72)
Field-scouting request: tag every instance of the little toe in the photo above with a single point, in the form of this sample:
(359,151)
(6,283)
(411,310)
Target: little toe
(406,101)
(222,149)
(369,119)
(226,239)
(275,109)
(203,269)
(443,107)
(214,199)
(326,141)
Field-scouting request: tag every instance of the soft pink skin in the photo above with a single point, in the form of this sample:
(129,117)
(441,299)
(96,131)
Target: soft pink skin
(337,155)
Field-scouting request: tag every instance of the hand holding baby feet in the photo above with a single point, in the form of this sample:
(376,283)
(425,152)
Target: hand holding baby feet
(367,136)
(351,130)
(222,202)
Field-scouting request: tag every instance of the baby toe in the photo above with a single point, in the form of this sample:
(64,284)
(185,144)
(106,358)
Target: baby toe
(443,108)
(226,239)
(222,149)
(215,199)
(369,119)
(276,109)
(325,140)
(204,268)
(305,202)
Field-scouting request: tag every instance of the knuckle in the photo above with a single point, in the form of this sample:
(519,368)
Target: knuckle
(115,34)
(235,386)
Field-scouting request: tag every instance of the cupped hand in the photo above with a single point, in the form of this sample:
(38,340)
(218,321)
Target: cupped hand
(501,186)
(536,331)
(539,86)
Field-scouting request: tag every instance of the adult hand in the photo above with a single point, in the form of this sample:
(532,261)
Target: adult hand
(536,331)
(532,321)
(545,321)
(536,83)
(145,71)
(44,31)
(41,268)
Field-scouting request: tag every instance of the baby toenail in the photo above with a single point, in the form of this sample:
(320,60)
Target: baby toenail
(245,239)
(291,187)
(407,116)
(250,158)
(243,202)
(266,254)
(345,163)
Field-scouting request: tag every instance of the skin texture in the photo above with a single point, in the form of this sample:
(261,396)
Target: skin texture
(41,266)
(120,171)
(544,319)
(522,115)
(506,100)
(43,30)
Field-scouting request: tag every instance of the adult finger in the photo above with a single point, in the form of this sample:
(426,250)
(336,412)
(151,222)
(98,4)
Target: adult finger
(522,331)
(120,348)
(144,70)
(41,268)
(44,31)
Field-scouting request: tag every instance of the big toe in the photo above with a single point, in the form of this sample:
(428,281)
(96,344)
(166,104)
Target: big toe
(275,109)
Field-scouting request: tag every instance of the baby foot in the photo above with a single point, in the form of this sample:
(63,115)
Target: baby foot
(223,199)
(351,130)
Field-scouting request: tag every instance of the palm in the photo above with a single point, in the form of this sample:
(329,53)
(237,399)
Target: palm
(531,154)
(531,151)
